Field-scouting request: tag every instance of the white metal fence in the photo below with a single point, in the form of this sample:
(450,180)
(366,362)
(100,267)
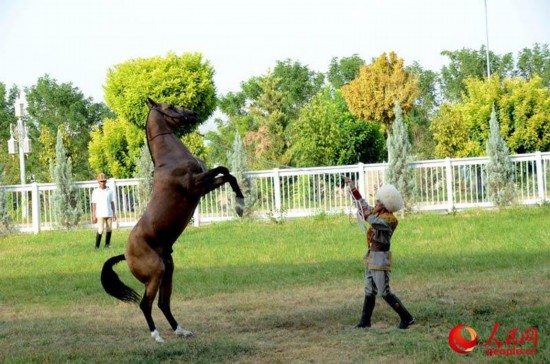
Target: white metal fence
(444,184)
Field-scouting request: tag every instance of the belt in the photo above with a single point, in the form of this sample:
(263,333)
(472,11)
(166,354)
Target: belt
(379,247)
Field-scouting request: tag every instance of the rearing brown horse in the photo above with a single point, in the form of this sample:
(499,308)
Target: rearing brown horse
(179,181)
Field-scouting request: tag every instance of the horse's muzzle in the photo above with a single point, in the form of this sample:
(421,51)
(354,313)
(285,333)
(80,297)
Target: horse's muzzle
(189,117)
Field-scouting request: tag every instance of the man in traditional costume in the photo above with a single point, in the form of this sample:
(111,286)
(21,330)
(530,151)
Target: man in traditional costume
(382,223)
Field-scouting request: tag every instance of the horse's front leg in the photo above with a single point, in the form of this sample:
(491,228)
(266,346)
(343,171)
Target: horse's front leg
(210,180)
(165,293)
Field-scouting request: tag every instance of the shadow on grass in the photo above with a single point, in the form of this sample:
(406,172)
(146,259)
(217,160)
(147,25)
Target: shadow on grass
(194,351)
(75,338)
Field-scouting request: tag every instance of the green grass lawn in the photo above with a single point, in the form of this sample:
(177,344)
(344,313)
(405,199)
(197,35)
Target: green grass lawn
(289,292)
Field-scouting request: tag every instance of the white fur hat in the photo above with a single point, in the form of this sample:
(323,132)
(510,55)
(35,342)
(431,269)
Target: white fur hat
(390,197)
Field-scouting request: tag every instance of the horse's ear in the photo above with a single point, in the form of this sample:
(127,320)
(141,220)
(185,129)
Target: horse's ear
(151,103)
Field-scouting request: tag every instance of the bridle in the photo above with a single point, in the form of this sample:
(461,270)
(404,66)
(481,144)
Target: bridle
(166,132)
(159,134)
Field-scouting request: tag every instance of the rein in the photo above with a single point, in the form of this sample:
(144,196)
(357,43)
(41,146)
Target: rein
(360,216)
(156,135)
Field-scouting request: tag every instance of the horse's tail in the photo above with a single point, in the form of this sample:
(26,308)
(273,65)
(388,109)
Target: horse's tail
(113,285)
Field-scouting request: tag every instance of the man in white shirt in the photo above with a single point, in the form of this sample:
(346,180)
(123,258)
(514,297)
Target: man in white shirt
(103,211)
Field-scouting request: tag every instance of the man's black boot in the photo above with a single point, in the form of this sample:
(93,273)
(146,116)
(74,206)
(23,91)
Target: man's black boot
(97,240)
(406,318)
(368,306)
(108,239)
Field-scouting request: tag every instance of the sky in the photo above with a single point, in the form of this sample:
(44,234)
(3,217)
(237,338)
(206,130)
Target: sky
(77,41)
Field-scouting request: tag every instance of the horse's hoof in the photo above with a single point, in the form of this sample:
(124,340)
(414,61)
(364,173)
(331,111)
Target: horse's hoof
(155,334)
(182,332)
(240,206)
(239,211)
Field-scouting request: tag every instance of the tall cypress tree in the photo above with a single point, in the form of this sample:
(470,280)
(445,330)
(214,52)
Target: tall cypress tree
(4,215)
(500,169)
(400,171)
(65,198)
(239,167)
(144,170)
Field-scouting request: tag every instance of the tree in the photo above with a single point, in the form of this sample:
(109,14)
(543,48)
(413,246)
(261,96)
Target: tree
(7,112)
(185,80)
(267,141)
(289,86)
(451,133)
(428,98)
(326,133)
(364,142)
(467,63)
(115,147)
(4,212)
(343,71)
(52,105)
(461,129)
(400,171)
(298,84)
(320,120)
(144,170)
(372,95)
(420,116)
(500,169)
(239,167)
(534,62)
(195,143)
(238,120)
(65,197)
(524,112)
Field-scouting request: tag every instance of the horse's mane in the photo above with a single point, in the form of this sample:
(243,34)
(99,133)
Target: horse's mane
(147,136)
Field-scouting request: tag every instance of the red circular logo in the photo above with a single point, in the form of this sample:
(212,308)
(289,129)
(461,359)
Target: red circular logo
(460,344)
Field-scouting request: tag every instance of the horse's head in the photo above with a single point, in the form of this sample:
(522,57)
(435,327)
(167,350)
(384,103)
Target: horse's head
(175,117)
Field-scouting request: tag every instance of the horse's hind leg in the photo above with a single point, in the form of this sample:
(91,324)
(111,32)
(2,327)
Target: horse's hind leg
(151,288)
(165,294)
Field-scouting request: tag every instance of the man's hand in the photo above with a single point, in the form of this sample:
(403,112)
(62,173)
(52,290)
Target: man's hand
(349,182)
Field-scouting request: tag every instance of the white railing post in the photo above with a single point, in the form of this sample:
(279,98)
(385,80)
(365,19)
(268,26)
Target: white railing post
(196,216)
(369,177)
(540,176)
(111,183)
(277,189)
(35,200)
(449,180)
(361,181)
